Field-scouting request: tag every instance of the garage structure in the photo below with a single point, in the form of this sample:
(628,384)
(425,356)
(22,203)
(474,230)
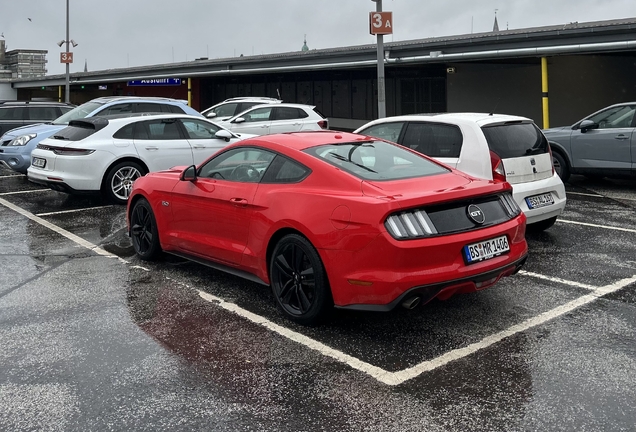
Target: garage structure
(587,66)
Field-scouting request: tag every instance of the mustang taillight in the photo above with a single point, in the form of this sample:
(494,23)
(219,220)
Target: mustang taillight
(498,172)
(509,203)
(410,225)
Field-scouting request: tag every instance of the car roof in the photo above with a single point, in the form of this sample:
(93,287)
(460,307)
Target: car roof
(22,103)
(140,117)
(460,118)
(283,104)
(108,99)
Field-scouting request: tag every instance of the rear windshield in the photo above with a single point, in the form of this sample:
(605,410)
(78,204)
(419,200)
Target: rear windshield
(79,112)
(511,140)
(376,160)
(78,131)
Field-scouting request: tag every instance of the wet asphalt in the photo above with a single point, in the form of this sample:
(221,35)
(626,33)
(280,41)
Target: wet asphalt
(92,339)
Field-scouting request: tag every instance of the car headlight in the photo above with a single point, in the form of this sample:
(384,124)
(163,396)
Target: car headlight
(22,140)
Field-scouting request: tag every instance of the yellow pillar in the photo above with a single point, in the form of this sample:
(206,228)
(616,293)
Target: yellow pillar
(59,93)
(189,92)
(544,92)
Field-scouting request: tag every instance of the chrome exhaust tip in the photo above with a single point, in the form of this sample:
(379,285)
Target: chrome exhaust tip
(411,303)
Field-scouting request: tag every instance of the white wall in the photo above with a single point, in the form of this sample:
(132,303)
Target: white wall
(6,92)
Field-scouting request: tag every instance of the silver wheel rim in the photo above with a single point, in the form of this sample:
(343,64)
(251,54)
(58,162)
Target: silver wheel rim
(122,181)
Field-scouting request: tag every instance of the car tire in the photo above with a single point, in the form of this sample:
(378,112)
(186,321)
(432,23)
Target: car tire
(143,231)
(541,225)
(118,181)
(299,281)
(560,166)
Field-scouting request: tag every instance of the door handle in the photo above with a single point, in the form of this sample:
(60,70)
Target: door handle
(152,148)
(239,202)
(264,126)
(198,146)
(621,137)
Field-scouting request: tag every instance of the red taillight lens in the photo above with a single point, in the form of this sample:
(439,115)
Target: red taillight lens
(324,124)
(498,173)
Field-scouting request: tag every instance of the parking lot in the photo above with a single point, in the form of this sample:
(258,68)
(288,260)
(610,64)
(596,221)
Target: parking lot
(95,339)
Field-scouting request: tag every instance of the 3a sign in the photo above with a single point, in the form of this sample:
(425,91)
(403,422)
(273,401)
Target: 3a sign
(66,57)
(380,23)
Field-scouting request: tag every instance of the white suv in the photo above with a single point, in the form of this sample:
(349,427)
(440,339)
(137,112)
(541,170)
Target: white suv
(491,146)
(230,107)
(277,118)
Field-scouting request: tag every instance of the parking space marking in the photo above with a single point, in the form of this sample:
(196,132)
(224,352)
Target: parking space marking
(381,375)
(558,280)
(69,235)
(23,192)
(597,226)
(72,211)
(10,175)
(584,194)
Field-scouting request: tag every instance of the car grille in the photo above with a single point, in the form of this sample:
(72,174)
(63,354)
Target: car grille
(450,218)
(5,143)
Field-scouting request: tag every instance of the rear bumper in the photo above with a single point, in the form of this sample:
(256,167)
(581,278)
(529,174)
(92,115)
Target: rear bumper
(554,185)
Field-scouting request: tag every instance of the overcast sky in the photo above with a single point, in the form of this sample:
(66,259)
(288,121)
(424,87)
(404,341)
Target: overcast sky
(126,33)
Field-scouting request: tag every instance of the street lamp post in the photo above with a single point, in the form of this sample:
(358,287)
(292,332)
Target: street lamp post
(67,57)
(381,86)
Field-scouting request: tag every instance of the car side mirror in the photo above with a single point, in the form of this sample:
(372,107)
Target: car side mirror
(239,120)
(223,134)
(211,115)
(189,174)
(586,125)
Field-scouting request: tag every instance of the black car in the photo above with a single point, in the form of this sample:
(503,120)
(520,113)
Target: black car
(14,114)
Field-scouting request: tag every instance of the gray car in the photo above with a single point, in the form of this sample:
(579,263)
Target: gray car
(601,145)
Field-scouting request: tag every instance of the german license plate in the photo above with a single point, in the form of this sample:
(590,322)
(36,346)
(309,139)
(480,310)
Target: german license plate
(38,162)
(486,249)
(537,201)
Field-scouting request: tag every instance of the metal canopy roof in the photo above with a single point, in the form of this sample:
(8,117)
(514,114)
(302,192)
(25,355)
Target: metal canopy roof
(568,39)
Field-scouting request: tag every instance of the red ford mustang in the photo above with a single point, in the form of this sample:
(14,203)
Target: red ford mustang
(329,218)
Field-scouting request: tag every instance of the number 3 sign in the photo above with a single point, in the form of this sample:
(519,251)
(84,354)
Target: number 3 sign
(380,23)
(66,57)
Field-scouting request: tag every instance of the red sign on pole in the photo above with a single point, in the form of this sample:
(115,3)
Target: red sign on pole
(380,23)
(66,57)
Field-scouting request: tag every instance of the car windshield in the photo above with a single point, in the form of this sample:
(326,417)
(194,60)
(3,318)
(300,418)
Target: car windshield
(515,140)
(377,160)
(79,112)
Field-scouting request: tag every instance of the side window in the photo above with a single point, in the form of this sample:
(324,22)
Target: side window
(227,110)
(158,130)
(284,170)
(244,106)
(240,164)
(197,129)
(63,110)
(434,140)
(288,113)
(172,109)
(42,113)
(116,110)
(386,131)
(12,113)
(617,117)
(147,107)
(125,133)
(258,114)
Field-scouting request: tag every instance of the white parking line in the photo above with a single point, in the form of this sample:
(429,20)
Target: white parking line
(11,175)
(77,239)
(597,226)
(558,280)
(72,211)
(585,194)
(381,375)
(23,192)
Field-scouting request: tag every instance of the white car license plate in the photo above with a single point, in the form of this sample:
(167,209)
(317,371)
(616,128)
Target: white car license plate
(486,249)
(538,201)
(38,162)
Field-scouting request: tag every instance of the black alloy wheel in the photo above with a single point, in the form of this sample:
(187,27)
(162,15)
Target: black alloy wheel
(299,281)
(143,231)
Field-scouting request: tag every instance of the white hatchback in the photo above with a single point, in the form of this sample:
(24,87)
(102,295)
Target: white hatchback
(277,118)
(97,154)
(490,146)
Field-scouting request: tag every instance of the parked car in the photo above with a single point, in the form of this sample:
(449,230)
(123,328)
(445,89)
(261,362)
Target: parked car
(16,145)
(230,107)
(14,114)
(489,146)
(277,118)
(100,154)
(603,144)
(332,218)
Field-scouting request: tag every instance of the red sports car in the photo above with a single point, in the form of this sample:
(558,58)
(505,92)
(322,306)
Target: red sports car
(329,218)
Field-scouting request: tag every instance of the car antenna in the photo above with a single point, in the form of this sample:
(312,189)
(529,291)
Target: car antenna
(495,108)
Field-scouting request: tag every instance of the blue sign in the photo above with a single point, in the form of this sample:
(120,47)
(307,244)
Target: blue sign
(155,82)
